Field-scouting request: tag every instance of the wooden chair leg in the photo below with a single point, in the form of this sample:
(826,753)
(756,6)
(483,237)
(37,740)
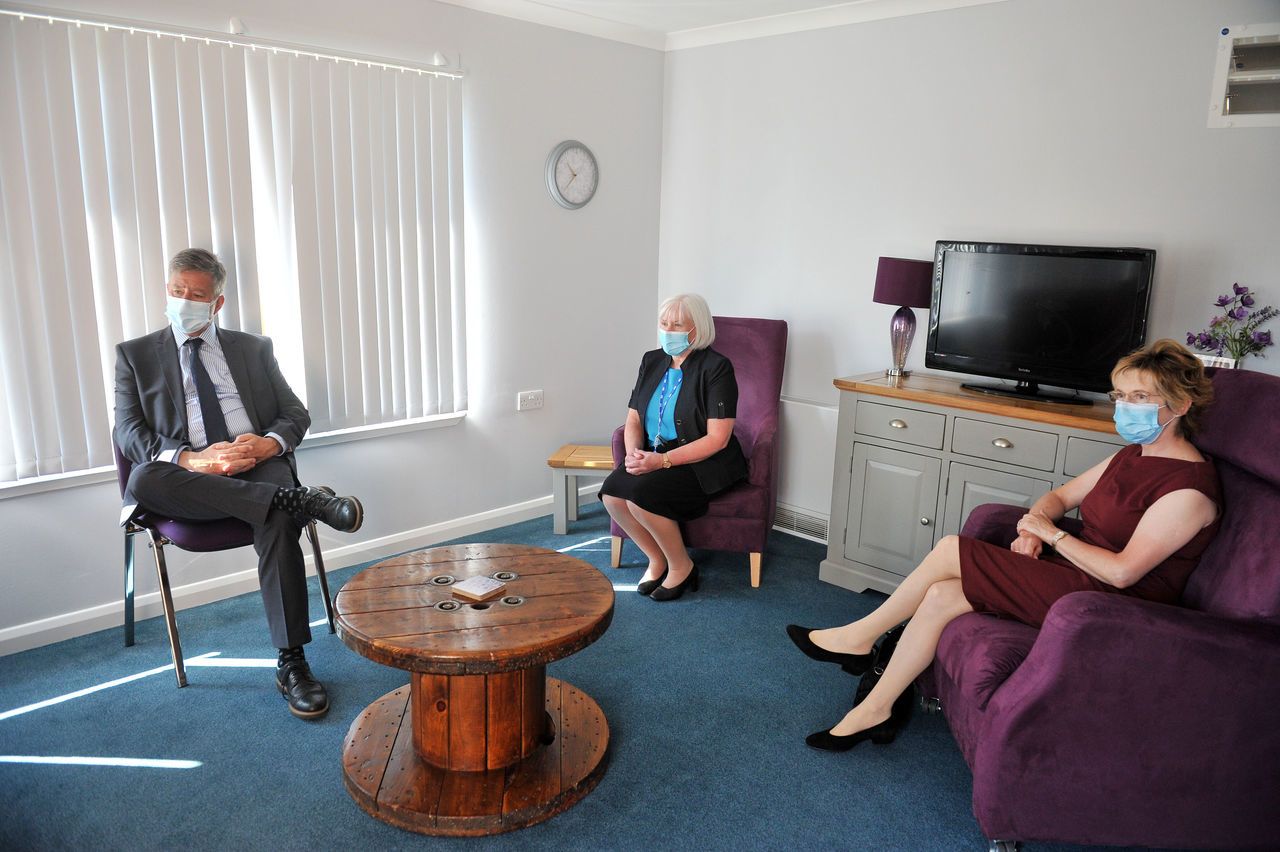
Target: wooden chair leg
(128,589)
(314,537)
(615,551)
(166,601)
(755,569)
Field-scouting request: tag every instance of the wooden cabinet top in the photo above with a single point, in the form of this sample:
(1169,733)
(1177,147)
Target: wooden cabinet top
(555,606)
(945,391)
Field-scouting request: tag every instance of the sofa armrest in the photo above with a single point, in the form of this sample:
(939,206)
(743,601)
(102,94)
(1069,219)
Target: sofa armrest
(1123,702)
(762,463)
(619,445)
(997,523)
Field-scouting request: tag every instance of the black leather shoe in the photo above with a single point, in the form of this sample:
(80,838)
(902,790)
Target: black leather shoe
(670,593)
(881,734)
(854,664)
(646,587)
(306,695)
(344,514)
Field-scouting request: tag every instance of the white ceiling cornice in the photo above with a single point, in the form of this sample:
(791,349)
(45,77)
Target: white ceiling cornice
(856,12)
(545,12)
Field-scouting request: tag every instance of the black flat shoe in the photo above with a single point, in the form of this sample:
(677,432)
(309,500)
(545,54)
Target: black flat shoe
(306,696)
(881,734)
(854,664)
(664,593)
(644,587)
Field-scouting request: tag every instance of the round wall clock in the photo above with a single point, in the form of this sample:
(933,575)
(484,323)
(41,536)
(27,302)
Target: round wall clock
(572,175)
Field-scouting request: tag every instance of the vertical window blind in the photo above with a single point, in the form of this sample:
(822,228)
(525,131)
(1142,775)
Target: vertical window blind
(331,189)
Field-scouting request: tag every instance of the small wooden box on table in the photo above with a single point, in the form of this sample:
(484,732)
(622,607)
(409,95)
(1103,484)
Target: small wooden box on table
(480,741)
(567,464)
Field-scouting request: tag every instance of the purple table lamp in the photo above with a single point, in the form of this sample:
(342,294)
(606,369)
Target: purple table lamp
(909,284)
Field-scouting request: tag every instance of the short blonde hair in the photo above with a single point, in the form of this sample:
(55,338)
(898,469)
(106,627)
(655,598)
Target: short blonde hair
(692,308)
(1178,376)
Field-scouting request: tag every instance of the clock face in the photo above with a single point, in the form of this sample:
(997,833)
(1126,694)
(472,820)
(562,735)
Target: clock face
(572,175)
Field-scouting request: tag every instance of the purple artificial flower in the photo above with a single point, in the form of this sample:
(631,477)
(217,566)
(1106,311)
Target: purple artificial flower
(1262,338)
(1247,300)
(1191,339)
(1223,301)
(1238,314)
(1240,291)
(1206,342)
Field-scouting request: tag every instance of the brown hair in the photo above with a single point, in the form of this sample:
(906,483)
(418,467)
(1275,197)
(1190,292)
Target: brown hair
(1178,376)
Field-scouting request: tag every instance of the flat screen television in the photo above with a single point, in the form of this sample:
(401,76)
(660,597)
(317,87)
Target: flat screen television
(1037,315)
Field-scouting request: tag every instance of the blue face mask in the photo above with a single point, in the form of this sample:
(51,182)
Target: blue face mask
(187,316)
(673,342)
(1139,424)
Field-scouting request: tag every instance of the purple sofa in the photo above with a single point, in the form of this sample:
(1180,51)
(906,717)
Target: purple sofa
(1127,722)
(740,518)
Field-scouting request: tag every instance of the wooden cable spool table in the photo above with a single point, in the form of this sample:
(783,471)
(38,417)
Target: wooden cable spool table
(480,741)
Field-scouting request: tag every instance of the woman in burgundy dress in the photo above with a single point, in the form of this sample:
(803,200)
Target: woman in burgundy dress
(1149,511)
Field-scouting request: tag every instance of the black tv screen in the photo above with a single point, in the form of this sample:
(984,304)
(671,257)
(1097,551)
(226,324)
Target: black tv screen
(1053,315)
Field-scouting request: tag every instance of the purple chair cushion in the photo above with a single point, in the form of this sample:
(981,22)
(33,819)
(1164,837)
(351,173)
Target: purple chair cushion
(200,536)
(978,653)
(743,500)
(1242,426)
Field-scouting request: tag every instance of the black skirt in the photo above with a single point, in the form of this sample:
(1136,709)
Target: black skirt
(671,492)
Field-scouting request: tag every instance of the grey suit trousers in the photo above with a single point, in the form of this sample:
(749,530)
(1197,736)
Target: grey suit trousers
(168,489)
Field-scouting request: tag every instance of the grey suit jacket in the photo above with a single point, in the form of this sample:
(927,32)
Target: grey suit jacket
(151,413)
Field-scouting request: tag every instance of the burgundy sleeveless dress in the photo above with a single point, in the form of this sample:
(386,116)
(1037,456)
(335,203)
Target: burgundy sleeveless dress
(995,579)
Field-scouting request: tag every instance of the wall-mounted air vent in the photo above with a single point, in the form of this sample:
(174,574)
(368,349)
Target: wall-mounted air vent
(1246,79)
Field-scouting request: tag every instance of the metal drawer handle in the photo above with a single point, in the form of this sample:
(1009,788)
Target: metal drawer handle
(898,424)
(1003,443)
(924,522)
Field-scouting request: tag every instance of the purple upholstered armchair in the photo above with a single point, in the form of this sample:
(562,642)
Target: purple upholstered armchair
(1127,722)
(740,518)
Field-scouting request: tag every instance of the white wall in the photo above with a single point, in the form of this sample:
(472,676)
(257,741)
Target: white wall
(791,163)
(556,299)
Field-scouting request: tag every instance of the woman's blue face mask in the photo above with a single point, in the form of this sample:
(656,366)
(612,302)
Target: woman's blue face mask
(673,342)
(1139,423)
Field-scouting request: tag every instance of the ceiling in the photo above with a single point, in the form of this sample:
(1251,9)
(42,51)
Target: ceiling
(678,24)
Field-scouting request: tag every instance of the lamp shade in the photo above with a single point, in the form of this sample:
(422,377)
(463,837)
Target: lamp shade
(904,282)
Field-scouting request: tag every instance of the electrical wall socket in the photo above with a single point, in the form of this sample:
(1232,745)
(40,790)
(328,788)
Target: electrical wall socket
(529,400)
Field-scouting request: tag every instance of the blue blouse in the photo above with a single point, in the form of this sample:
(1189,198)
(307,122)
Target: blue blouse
(660,416)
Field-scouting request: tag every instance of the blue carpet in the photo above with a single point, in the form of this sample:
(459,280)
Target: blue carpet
(707,701)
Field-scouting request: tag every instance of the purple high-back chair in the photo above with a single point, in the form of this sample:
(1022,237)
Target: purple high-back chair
(198,537)
(739,519)
(1125,722)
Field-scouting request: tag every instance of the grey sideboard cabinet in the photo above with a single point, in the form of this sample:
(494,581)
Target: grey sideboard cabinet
(915,454)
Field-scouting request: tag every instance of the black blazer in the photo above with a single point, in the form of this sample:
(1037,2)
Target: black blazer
(151,412)
(709,390)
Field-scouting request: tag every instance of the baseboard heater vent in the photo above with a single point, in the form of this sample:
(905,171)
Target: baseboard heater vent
(801,522)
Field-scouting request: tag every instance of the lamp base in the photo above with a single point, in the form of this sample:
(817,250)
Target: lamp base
(901,329)
(896,373)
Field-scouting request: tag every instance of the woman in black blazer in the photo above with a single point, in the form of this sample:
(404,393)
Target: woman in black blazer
(680,446)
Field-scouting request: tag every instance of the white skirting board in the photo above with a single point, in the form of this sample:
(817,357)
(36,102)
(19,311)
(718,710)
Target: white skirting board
(46,631)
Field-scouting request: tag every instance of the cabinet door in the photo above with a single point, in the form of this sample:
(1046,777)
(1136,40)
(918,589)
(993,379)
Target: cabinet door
(893,500)
(969,486)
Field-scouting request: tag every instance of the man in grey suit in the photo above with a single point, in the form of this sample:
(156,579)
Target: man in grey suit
(210,424)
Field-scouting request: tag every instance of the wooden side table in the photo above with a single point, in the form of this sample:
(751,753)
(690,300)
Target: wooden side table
(480,741)
(567,464)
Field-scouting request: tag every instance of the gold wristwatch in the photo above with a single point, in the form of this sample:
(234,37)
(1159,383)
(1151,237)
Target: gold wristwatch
(666,461)
(1057,537)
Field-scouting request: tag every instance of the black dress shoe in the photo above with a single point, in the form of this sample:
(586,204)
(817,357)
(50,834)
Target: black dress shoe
(881,734)
(306,695)
(344,514)
(645,587)
(854,664)
(670,593)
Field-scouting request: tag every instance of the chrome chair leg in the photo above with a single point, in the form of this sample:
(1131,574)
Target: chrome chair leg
(166,600)
(128,589)
(314,536)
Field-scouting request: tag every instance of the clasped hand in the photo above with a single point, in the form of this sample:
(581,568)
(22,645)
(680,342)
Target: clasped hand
(1034,528)
(638,462)
(230,458)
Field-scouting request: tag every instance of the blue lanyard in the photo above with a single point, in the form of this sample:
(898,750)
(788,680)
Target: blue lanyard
(663,399)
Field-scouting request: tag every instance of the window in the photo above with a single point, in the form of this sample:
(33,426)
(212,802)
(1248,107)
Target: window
(331,188)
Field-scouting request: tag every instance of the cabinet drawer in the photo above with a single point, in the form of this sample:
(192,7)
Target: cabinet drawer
(899,424)
(1002,443)
(1083,454)
(969,487)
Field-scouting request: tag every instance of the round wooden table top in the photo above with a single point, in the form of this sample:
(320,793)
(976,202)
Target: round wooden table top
(556,605)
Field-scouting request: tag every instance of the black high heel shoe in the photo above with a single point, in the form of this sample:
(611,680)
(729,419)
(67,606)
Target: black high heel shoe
(881,734)
(644,587)
(663,593)
(854,664)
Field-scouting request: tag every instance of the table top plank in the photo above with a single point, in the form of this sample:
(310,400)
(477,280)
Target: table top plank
(387,612)
(582,457)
